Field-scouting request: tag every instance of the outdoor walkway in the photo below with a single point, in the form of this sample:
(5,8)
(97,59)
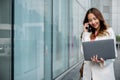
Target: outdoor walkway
(74,74)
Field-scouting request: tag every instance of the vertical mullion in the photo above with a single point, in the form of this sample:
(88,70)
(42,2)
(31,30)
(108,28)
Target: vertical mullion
(12,40)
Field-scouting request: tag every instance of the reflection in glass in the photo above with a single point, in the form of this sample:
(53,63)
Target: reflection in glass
(60,37)
(29,40)
(5,39)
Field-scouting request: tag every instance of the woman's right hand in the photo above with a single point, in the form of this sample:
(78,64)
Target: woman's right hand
(86,25)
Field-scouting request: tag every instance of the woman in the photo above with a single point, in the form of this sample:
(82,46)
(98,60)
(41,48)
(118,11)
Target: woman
(95,28)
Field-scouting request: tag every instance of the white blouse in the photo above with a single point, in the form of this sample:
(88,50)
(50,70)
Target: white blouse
(98,71)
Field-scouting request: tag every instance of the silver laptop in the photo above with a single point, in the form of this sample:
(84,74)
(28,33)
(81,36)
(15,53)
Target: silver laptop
(103,48)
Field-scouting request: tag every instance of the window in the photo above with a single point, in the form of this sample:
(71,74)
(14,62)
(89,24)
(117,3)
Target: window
(29,40)
(5,39)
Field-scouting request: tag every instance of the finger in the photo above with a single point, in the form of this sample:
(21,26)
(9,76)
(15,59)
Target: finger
(86,25)
(102,59)
(96,57)
(99,59)
(93,59)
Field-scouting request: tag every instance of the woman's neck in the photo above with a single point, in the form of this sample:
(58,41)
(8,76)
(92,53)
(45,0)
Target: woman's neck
(97,31)
(93,36)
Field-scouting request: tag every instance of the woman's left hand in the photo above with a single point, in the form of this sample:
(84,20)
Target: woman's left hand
(95,59)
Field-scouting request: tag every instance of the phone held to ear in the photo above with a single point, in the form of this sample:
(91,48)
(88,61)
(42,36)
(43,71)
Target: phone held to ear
(88,28)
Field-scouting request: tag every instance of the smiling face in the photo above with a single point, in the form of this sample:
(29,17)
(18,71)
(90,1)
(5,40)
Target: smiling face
(93,21)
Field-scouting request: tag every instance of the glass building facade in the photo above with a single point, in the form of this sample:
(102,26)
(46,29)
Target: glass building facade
(116,16)
(46,37)
(5,39)
(40,39)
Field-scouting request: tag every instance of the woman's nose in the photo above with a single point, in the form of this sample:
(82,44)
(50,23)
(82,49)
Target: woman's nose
(93,21)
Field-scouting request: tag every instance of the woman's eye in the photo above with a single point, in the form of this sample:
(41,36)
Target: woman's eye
(90,20)
(94,18)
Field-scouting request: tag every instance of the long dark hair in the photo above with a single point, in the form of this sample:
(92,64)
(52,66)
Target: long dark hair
(99,16)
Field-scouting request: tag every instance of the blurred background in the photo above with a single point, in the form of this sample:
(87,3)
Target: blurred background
(40,39)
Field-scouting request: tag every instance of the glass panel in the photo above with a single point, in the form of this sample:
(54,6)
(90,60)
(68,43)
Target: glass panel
(76,19)
(5,39)
(29,40)
(60,36)
(48,39)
